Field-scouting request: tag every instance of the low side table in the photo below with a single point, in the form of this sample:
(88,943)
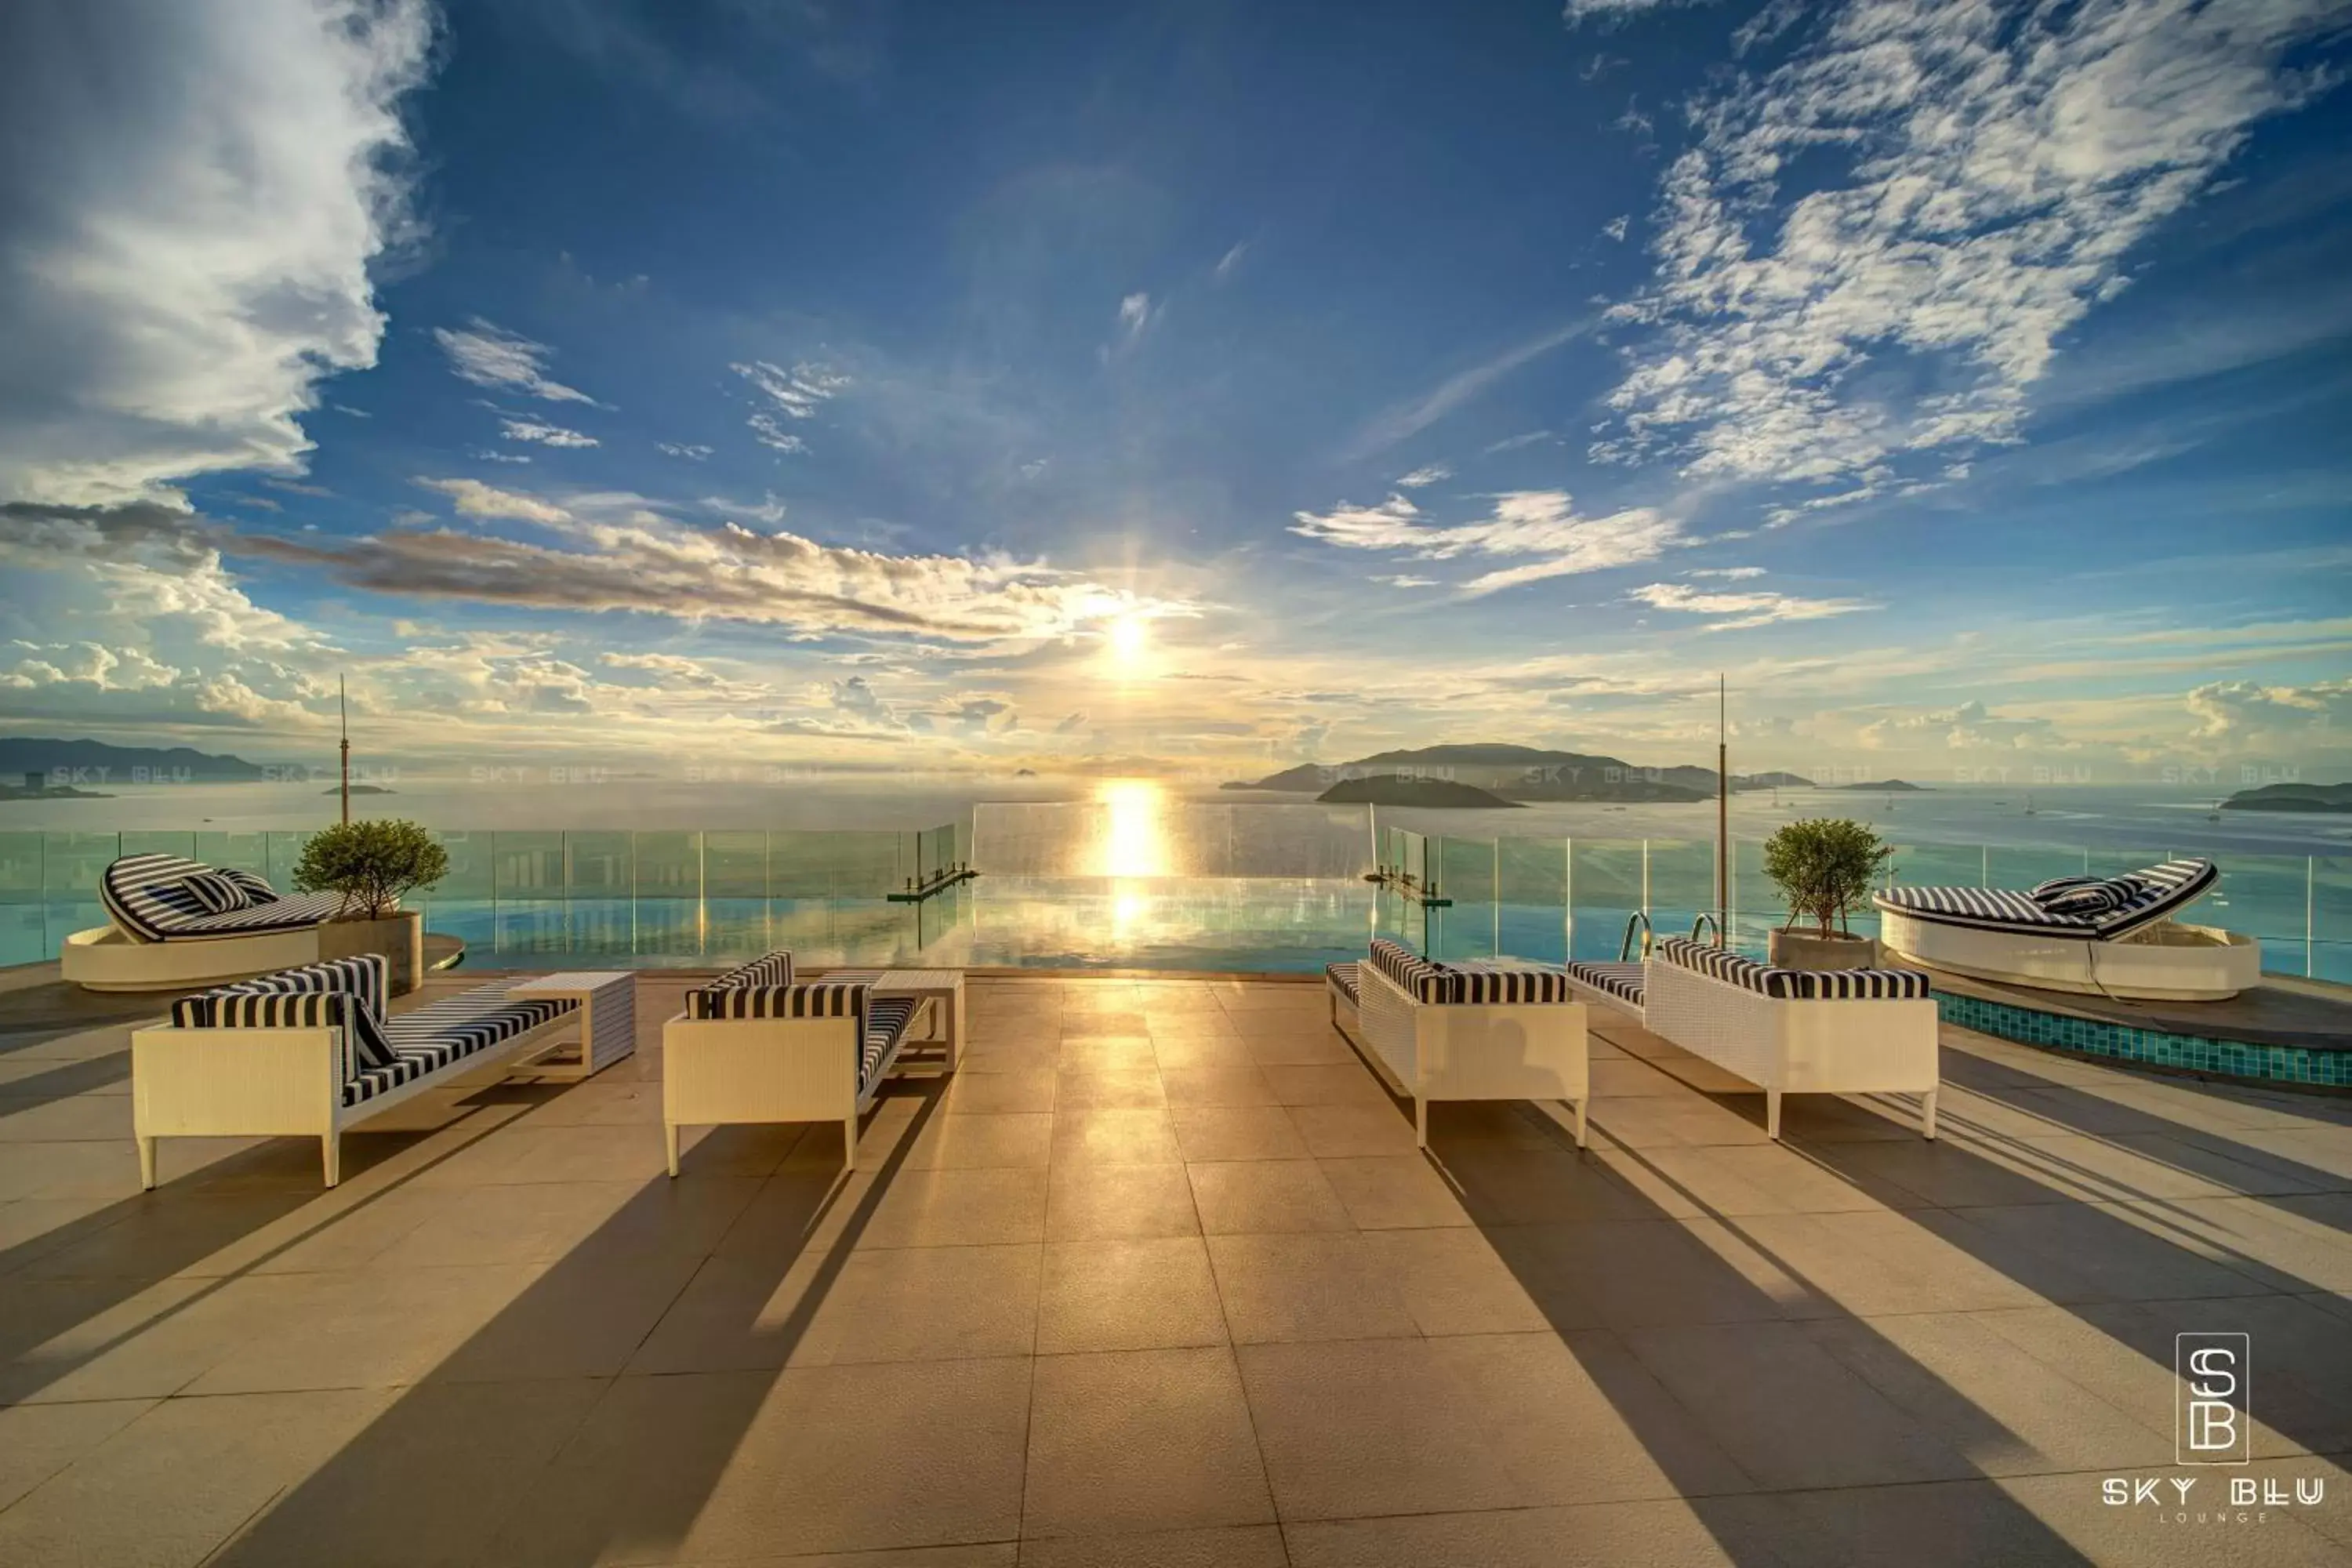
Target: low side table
(943,989)
(608,1017)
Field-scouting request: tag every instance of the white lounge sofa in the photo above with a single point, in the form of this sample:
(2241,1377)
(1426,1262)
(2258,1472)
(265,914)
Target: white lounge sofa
(175,923)
(753,1047)
(2101,936)
(1788,1031)
(310,1051)
(1442,1032)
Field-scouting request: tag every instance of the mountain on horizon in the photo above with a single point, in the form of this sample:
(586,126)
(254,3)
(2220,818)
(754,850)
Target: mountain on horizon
(96,761)
(1525,773)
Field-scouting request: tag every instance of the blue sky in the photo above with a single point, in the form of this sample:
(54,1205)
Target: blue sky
(1192,387)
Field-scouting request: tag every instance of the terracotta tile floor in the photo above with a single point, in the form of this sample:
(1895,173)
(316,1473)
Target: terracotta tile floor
(1158,1278)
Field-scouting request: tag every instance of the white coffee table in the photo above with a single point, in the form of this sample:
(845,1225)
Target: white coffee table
(608,1017)
(943,988)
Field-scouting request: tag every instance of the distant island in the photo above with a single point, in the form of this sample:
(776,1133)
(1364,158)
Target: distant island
(1390,789)
(1884,786)
(2292,797)
(49,792)
(1509,775)
(357,789)
(95,762)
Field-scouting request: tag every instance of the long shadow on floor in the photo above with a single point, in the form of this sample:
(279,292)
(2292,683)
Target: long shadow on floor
(525,1445)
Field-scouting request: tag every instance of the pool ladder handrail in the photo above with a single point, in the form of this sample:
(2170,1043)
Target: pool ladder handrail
(1705,918)
(1625,948)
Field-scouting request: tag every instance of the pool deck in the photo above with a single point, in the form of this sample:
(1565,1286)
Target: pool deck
(1158,1278)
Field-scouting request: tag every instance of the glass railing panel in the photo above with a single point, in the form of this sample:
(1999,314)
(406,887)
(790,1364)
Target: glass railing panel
(669,865)
(735,866)
(21,881)
(1605,881)
(817,865)
(182,845)
(471,874)
(1466,876)
(526,867)
(2329,896)
(1682,883)
(1531,898)
(238,851)
(72,863)
(2022,866)
(2264,897)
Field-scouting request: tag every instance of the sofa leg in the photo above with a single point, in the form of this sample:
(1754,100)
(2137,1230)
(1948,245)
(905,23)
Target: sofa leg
(330,1152)
(1772,1114)
(1927,1115)
(146,1165)
(1421,1121)
(669,1140)
(849,1141)
(1581,1106)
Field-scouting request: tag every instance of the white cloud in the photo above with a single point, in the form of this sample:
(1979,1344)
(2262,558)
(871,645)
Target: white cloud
(544,434)
(671,667)
(489,356)
(1733,573)
(1231,259)
(1580,11)
(1427,473)
(1523,522)
(194,194)
(1734,612)
(692,452)
(768,433)
(1615,228)
(1416,414)
(1990,175)
(1135,314)
(472,498)
(1970,726)
(2240,710)
(797,393)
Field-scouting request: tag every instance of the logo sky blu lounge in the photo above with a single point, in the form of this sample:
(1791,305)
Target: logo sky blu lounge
(2212,1422)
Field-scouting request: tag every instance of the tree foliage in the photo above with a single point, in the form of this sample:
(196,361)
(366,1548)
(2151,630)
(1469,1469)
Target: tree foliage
(1824,868)
(372,864)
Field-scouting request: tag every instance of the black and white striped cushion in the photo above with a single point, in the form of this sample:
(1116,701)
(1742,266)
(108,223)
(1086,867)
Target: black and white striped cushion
(810,999)
(427,1039)
(887,1018)
(257,1003)
(284,914)
(2057,885)
(2091,899)
(148,897)
(1623,981)
(257,886)
(1494,983)
(775,969)
(1414,975)
(218,892)
(2146,897)
(1790,984)
(1342,975)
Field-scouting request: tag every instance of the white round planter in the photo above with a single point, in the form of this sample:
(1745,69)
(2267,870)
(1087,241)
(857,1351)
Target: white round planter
(1810,950)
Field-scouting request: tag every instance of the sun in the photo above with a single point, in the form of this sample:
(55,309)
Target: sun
(1130,636)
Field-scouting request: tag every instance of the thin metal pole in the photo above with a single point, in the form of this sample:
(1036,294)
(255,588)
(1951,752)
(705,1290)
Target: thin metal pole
(2310,865)
(1722,803)
(344,715)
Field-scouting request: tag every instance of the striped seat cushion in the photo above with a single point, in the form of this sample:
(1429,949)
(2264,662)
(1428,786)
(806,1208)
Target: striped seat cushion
(808,999)
(887,1018)
(148,897)
(1503,982)
(775,969)
(311,998)
(1413,974)
(2137,900)
(427,1039)
(1343,976)
(1623,981)
(1790,984)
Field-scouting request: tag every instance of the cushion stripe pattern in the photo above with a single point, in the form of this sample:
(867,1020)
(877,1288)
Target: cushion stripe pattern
(428,1039)
(257,886)
(148,897)
(887,1018)
(1506,984)
(810,999)
(1414,975)
(1342,975)
(259,1003)
(218,892)
(2140,898)
(1623,981)
(1791,984)
(772,969)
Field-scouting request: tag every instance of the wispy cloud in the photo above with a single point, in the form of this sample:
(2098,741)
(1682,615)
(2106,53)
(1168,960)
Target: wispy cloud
(1997,171)
(691,452)
(1134,314)
(472,498)
(1524,522)
(1231,259)
(1427,473)
(1735,611)
(796,393)
(1416,414)
(1615,228)
(544,434)
(489,356)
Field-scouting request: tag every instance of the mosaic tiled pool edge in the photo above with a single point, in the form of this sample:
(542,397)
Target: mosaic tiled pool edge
(2149,1047)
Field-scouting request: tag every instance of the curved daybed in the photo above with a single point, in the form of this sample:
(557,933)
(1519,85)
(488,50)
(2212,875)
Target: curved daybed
(178,923)
(2101,936)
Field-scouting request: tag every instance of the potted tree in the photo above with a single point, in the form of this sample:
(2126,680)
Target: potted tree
(372,864)
(1824,868)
